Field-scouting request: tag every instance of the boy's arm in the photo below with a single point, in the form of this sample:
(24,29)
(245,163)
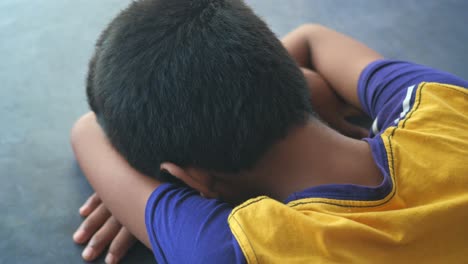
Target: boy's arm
(123,190)
(331,108)
(177,223)
(339,59)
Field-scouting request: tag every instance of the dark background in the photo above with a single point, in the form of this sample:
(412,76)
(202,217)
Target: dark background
(44,50)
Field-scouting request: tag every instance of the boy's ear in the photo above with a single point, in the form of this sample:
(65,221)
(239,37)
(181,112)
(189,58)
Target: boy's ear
(198,179)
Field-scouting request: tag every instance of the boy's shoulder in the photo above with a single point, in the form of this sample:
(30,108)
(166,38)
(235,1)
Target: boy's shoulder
(387,89)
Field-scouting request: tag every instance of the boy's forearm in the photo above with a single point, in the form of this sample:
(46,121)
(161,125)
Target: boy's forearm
(123,190)
(297,46)
(339,59)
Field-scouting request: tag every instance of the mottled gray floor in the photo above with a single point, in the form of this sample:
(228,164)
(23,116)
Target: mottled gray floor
(44,49)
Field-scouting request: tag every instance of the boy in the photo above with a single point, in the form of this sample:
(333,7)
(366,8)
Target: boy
(203,91)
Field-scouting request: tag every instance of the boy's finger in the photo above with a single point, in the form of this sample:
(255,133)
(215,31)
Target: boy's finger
(101,239)
(119,246)
(92,203)
(91,224)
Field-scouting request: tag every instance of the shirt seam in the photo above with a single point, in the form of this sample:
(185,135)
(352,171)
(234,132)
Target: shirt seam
(247,238)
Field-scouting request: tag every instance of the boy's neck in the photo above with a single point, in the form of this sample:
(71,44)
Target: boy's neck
(314,155)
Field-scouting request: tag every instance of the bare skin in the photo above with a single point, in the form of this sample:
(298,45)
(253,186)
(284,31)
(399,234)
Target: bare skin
(100,230)
(332,108)
(305,155)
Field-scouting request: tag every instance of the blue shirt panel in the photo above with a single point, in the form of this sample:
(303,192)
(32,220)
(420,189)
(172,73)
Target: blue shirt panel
(184,227)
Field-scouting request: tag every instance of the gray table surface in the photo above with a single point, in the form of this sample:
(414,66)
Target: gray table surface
(44,49)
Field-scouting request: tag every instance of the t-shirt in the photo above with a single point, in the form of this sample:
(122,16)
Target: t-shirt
(419,140)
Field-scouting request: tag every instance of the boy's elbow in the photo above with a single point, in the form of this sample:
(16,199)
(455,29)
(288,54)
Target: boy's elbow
(78,130)
(311,27)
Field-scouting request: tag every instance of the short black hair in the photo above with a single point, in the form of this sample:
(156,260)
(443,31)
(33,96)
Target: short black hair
(200,83)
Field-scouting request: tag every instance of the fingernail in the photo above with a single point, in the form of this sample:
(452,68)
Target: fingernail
(83,210)
(88,253)
(110,259)
(78,236)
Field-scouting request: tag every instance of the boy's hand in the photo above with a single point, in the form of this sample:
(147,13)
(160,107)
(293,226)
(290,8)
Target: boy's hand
(331,108)
(104,230)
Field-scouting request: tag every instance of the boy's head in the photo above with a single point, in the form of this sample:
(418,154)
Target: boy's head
(196,83)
